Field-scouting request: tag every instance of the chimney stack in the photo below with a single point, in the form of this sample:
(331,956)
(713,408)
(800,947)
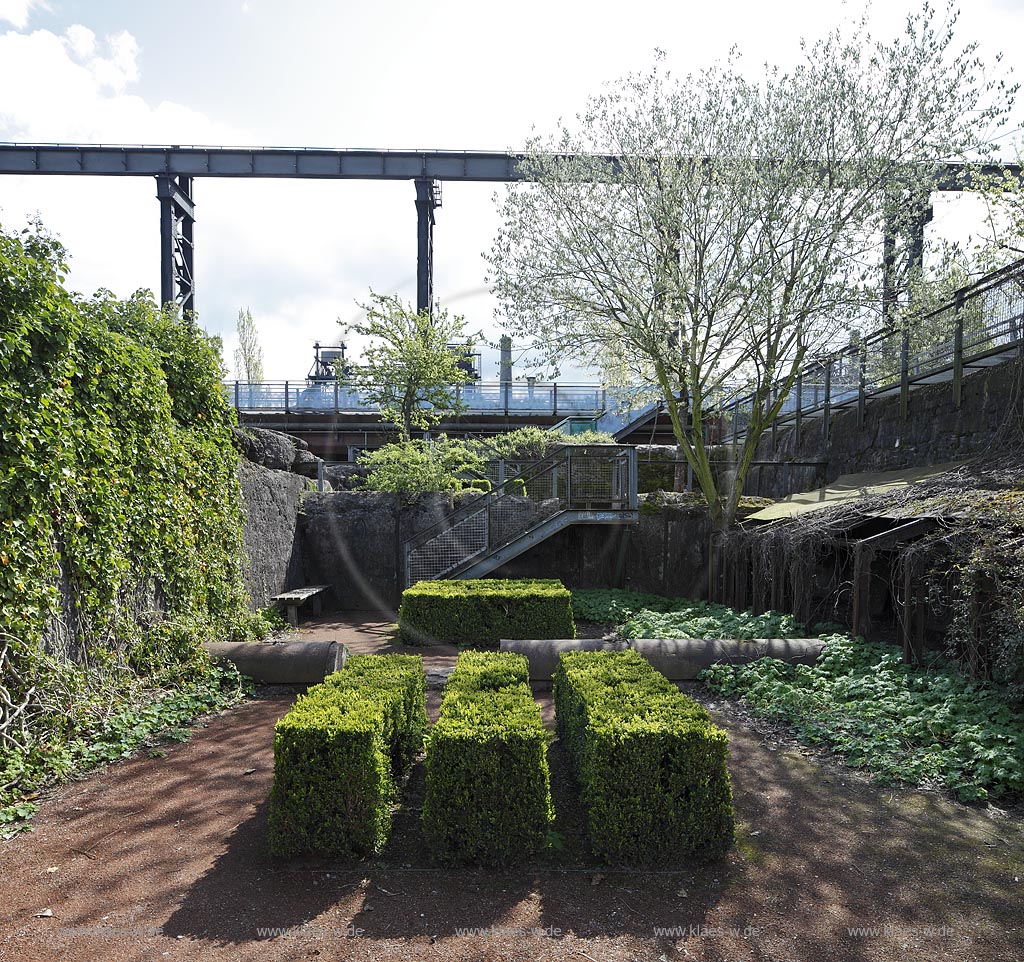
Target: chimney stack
(506,359)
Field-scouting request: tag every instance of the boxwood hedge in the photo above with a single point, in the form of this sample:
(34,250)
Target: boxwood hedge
(486,610)
(488,796)
(650,764)
(339,752)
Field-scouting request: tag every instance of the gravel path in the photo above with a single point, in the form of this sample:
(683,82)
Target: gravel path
(163,858)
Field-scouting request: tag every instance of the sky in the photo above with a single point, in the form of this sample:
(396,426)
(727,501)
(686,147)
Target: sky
(394,74)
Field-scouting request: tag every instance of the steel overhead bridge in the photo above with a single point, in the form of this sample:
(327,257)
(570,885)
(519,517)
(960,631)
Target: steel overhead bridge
(176,167)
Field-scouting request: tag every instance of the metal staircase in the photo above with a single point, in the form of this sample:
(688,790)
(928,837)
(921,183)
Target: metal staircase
(576,484)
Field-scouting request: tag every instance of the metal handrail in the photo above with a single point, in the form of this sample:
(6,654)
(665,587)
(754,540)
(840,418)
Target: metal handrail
(474,505)
(485,397)
(570,468)
(885,361)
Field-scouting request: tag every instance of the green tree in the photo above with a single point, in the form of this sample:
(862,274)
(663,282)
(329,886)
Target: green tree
(409,369)
(707,235)
(249,353)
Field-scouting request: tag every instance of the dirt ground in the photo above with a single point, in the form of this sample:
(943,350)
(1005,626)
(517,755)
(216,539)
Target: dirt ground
(164,858)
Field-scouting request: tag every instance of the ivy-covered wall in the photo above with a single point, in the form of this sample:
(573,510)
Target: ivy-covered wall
(120,524)
(119,501)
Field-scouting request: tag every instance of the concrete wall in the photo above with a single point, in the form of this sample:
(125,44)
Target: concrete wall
(990,419)
(352,541)
(271,500)
(666,553)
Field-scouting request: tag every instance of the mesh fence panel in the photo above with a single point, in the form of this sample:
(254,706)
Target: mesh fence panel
(576,480)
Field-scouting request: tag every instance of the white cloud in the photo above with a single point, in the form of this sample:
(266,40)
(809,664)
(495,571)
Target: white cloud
(17,12)
(119,68)
(80,40)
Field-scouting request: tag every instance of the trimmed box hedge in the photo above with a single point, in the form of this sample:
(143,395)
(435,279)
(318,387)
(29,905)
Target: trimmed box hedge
(485,610)
(650,763)
(339,753)
(488,794)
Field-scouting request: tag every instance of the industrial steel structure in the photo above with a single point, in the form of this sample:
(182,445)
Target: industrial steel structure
(177,167)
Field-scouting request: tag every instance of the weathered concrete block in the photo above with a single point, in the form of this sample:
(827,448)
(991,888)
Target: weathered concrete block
(282,662)
(543,654)
(273,552)
(684,659)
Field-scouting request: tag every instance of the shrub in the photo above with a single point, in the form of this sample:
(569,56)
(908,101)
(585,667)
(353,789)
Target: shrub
(488,793)
(651,765)
(406,673)
(533,443)
(339,752)
(485,610)
(418,467)
(588,437)
(522,444)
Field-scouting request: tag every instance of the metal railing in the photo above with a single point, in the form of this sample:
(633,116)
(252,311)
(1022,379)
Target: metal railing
(982,325)
(480,397)
(576,478)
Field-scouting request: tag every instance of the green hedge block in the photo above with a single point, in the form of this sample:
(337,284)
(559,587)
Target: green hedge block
(485,610)
(650,763)
(339,752)
(488,797)
(406,673)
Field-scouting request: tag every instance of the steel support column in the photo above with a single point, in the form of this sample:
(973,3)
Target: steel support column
(428,199)
(923,214)
(177,241)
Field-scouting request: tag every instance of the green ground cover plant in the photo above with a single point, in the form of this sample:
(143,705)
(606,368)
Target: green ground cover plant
(340,753)
(637,615)
(485,610)
(488,796)
(650,764)
(106,732)
(699,619)
(927,726)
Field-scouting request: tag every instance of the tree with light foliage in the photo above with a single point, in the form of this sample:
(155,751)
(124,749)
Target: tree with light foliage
(248,353)
(410,369)
(709,234)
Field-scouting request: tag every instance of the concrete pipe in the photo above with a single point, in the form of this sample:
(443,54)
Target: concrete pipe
(282,662)
(684,658)
(543,654)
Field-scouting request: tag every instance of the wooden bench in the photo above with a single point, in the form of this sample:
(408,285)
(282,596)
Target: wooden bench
(293,600)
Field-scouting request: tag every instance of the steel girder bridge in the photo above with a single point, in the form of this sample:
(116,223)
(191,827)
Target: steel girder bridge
(176,168)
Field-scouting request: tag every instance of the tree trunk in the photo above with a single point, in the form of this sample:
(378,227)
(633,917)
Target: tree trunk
(679,480)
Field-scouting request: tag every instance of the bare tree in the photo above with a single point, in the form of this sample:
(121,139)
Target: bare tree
(705,235)
(248,354)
